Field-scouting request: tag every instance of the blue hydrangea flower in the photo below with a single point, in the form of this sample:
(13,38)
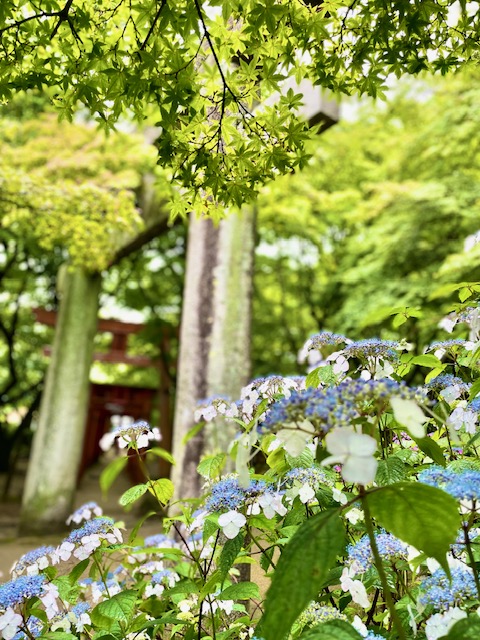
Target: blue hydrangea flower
(443,594)
(30,558)
(35,628)
(372,348)
(157,540)
(228,495)
(97,526)
(389,548)
(447,380)
(464,485)
(18,590)
(331,407)
(314,476)
(474,405)
(324,338)
(447,345)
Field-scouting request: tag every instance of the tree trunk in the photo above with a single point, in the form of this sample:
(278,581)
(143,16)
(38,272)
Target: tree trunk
(57,444)
(215,336)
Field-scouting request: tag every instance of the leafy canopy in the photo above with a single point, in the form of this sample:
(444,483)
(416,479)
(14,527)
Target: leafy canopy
(201,69)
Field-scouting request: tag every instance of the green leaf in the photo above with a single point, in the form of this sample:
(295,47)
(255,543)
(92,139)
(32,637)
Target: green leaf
(466,629)
(432,449)
(418,514)
(333,630)
(137,526)
(133,494)
(162,489)
(427,360)
(210,466)
(77,571)
(474,389)
(161,453)
(240,591)
(390,470)
(320,375)
(119,608)
(301,570)
(230,551)
(111,472)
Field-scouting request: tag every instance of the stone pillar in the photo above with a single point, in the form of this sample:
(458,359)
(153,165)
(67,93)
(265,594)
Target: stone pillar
(58,441)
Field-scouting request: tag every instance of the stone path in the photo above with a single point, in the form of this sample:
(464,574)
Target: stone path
(12,546)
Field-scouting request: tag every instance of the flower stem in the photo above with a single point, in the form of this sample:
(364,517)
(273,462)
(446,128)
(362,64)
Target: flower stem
(379,566)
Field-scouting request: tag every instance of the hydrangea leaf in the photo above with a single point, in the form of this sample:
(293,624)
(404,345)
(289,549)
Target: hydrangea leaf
(132,495)
(422,516)
(301,570)
(333,630)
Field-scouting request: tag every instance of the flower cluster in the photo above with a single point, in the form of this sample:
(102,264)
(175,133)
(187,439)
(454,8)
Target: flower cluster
(360,556)
(441,593)
(462,485)
(137,435)
(82,542)
(33,561)
(86,512)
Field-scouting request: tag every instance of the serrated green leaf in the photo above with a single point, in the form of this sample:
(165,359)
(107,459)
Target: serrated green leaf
(420,515)
(133,494)
(111,472)
(162,489)
(390,470)
(229,553)
(210,466)
(118,608)
(240,591)
(333,630)
(474,389)
(301,570)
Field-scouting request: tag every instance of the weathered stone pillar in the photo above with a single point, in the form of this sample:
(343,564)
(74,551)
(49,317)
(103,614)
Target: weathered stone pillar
(57,444)
(214,337)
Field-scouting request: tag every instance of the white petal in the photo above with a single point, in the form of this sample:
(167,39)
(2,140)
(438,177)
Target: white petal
(360,470)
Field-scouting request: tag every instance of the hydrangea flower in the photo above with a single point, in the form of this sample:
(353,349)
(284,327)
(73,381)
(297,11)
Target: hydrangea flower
(464,485)
(372,348)
(137,435)
(33,561)
(82,542)
(211,408)
(360,556)
(231,523)
(463,417)
(228,495)
(317,613)
(438,591)
(86,512)
(440,624)
(354,451)
(16,591)
(305,482)
(10,622)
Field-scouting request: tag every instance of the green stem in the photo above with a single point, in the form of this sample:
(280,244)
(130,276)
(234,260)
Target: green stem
(380,569)
(473,564)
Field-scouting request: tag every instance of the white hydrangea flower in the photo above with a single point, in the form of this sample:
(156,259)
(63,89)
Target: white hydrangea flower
(408,414)
(10,623)
(231,523)
(463,417)
(354,451)
(354,587)
(440,624)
